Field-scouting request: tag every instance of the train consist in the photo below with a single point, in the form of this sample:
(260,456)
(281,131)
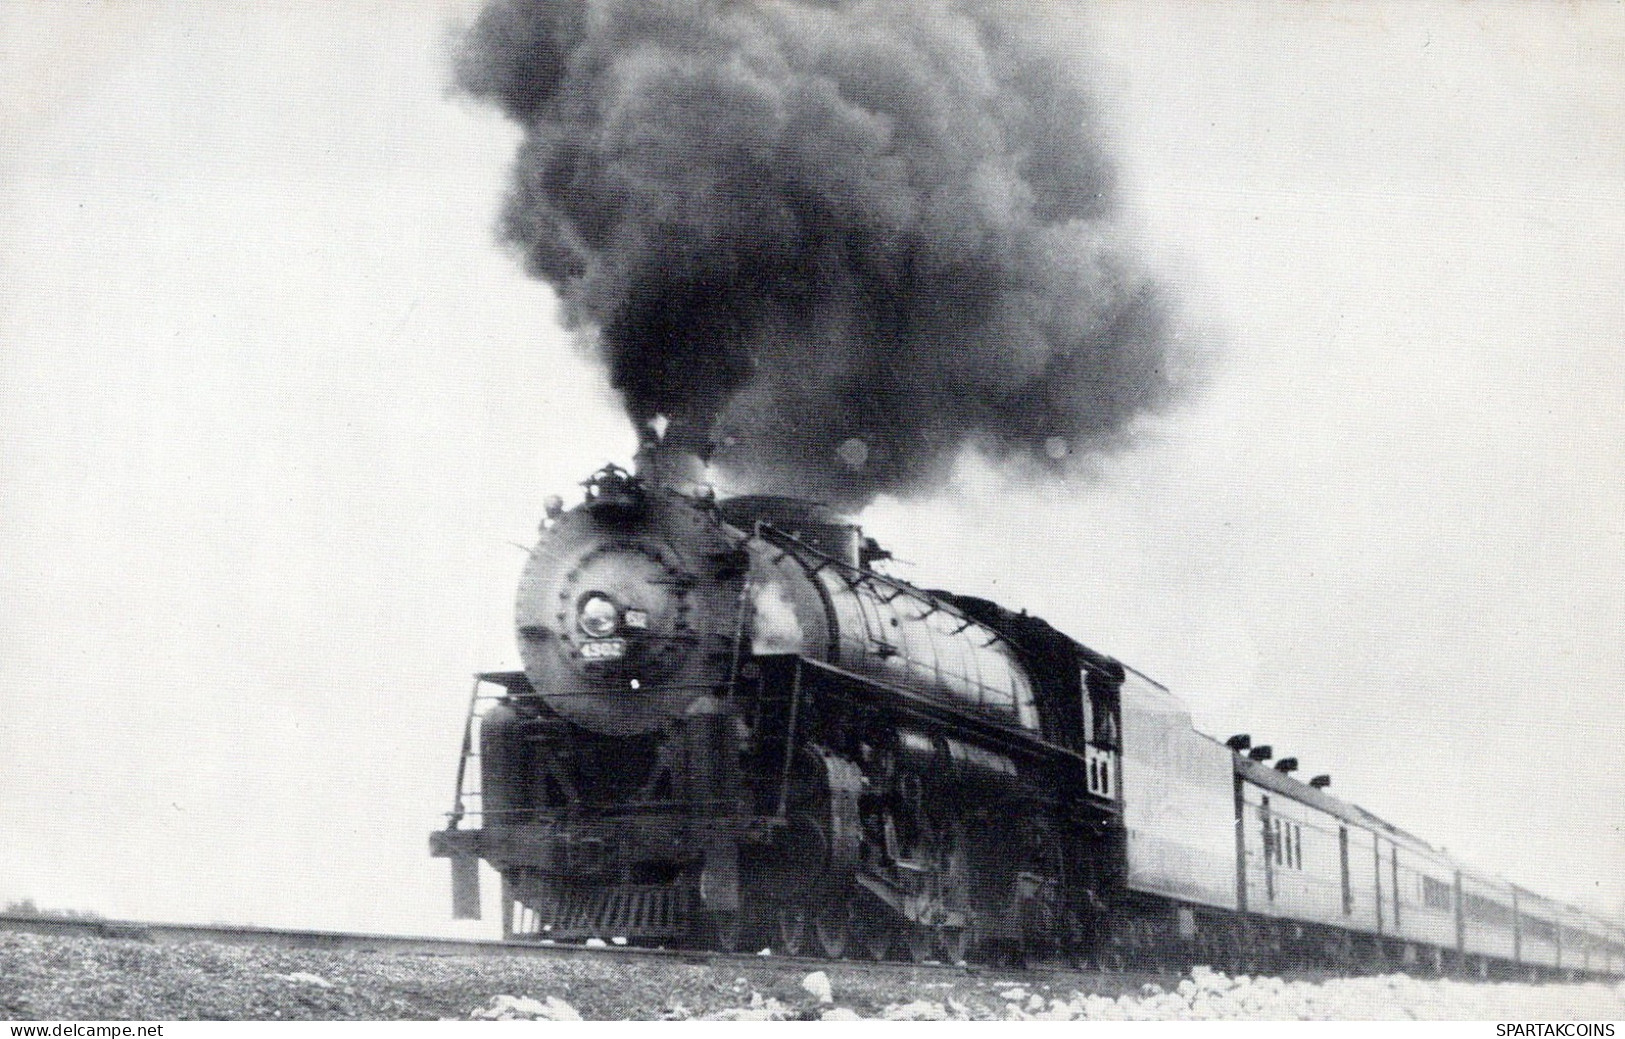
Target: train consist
(732,731)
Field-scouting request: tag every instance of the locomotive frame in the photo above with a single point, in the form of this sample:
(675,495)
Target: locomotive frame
(822,759)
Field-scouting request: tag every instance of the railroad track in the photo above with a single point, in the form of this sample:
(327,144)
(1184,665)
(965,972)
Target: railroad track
(288,938)
(418,945)
(1118,981)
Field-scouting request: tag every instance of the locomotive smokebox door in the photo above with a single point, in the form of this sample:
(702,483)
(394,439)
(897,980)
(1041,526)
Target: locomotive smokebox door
(465,888)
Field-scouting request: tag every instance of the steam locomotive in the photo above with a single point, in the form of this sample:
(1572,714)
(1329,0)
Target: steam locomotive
(733,731)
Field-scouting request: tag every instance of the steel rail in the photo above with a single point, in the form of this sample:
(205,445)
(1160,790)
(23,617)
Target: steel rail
(428,945)
(1089,978)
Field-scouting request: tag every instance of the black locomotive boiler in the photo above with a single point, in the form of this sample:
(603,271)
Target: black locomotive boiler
(732,731)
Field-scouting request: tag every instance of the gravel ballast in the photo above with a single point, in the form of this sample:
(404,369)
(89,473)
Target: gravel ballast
(44,977)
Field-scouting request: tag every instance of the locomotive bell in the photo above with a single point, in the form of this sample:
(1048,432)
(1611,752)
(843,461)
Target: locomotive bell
(614,493)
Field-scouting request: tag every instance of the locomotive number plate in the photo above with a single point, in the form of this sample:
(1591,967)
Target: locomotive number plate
(603,649)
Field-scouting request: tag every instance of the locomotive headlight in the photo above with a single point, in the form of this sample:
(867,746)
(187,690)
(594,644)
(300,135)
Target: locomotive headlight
(597,615)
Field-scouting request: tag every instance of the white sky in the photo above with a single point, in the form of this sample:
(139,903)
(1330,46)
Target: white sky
(274,406)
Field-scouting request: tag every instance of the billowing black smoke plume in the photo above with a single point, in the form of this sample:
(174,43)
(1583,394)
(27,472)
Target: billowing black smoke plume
(837,242)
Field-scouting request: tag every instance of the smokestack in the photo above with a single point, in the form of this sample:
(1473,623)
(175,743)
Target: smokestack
(844,241)
(669,455)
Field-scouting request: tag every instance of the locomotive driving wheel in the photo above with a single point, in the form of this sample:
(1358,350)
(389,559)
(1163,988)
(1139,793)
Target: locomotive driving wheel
(874,938)
(721,930)
(919,940)
(832,927)
(956,943)
(791,929)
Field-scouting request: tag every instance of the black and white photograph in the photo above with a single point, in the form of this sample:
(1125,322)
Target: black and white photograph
(812,510)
